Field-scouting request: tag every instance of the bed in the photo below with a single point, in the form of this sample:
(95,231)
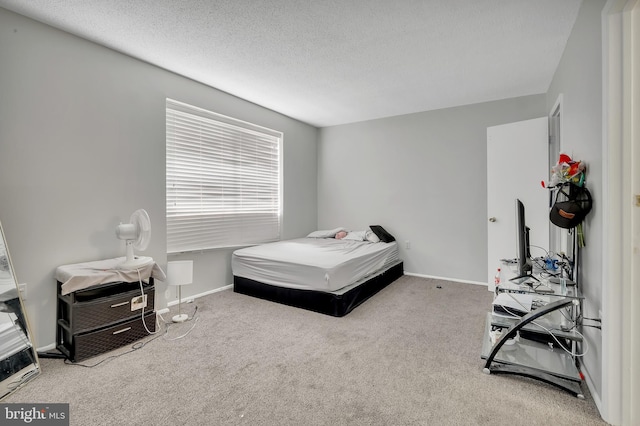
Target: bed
(320,272)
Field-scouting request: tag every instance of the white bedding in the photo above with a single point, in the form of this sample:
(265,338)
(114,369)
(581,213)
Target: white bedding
(83,275)
(324,264)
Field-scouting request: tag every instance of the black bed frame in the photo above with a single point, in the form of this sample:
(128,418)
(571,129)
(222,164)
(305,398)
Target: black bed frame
(337,305)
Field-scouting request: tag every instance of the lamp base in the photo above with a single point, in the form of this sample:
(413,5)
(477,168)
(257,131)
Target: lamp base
(180,318)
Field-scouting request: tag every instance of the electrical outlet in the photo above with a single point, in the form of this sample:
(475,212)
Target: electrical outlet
(23,290)
(138,302)
(407,244)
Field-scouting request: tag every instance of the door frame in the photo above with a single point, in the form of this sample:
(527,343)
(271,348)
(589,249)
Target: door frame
(556,242)
(621,180)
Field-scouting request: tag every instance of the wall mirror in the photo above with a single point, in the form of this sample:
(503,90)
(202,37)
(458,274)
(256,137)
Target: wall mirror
(18,358)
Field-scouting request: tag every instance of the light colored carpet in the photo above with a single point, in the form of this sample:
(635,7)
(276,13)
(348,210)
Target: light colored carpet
(408,356)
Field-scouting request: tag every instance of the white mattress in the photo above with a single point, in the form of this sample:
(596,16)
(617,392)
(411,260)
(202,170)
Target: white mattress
(324,264)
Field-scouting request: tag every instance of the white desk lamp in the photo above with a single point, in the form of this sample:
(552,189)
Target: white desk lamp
(180,272)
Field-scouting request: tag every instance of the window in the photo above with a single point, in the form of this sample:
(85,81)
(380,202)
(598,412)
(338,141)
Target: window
(223,180)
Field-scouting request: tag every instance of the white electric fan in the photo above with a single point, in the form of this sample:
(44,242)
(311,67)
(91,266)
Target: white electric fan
(137,234)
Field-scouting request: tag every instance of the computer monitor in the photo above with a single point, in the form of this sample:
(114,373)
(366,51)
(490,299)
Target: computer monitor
(524,264)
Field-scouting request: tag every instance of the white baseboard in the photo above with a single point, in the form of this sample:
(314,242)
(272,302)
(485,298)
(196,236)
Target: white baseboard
(196,296)
(446,279)
(47,348)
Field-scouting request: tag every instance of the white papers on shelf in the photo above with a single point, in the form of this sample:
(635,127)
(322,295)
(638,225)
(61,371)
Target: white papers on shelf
(512,304)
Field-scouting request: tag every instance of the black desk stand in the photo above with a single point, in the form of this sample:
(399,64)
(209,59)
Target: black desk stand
(498,367)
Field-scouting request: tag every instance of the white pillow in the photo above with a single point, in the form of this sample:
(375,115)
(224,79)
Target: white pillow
(371,236)
(325,234)
(356,236)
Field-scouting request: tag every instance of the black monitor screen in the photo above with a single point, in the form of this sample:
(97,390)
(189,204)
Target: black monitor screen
(522,237)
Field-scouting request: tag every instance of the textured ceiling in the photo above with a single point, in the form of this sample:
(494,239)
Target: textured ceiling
(328,62)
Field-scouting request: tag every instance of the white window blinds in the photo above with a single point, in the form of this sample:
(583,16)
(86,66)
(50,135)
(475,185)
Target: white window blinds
(223,180)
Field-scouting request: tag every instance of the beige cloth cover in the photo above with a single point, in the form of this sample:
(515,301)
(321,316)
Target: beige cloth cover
(83,275)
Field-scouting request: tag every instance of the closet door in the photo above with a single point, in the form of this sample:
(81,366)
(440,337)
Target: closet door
(517,161)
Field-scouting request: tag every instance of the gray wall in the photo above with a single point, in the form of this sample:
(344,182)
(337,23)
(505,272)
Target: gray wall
(579,79)
(82,146)
(421,176)
(82,134)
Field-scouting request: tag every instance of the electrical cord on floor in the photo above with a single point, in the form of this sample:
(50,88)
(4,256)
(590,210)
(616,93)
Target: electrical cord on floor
(170,324)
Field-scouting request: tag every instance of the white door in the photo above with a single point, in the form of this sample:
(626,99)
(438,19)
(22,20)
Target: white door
(517,162)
